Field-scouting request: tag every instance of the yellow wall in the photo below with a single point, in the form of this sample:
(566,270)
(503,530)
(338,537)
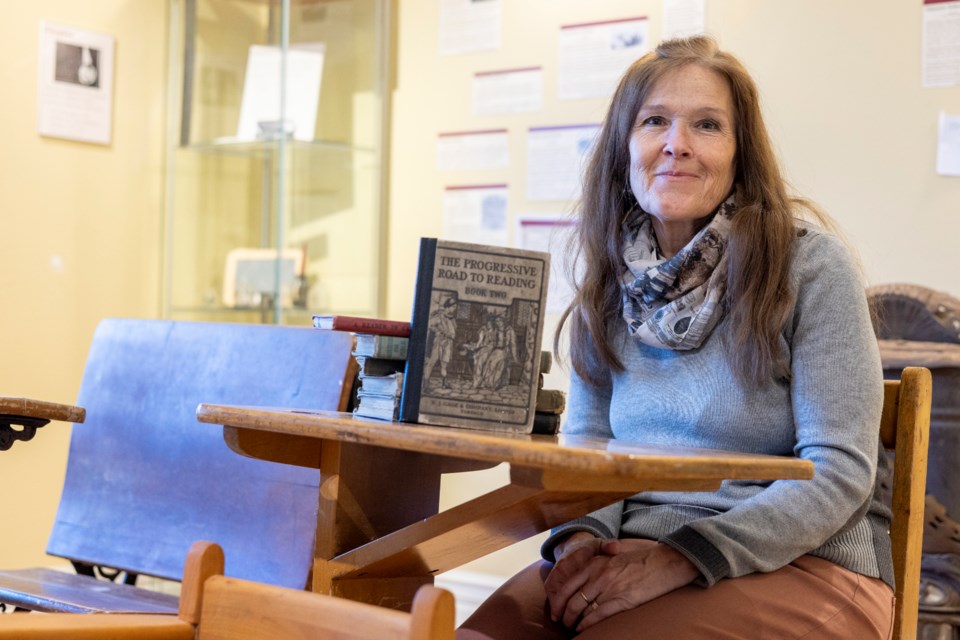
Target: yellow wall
(80,232)
(843,96)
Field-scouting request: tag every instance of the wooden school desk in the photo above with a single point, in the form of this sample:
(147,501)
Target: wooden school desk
(379,533)
(21,417)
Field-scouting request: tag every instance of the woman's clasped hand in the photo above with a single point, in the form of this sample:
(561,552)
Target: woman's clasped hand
(619,575)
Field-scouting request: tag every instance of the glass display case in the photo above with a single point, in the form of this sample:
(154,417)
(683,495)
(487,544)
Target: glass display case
(275,184)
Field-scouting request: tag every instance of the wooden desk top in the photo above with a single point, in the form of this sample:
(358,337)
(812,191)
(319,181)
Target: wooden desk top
(29,408)
(592,456)
(378,537)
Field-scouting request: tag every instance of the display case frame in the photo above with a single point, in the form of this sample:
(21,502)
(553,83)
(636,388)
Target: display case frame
(247,170)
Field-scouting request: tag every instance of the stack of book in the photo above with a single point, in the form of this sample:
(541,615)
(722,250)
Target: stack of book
(550,402)
(380,349)
(468,357)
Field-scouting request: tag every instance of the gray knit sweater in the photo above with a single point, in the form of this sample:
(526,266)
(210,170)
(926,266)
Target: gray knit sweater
(828,412)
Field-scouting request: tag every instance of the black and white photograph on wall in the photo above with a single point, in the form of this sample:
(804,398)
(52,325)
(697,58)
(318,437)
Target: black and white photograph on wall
(77,65)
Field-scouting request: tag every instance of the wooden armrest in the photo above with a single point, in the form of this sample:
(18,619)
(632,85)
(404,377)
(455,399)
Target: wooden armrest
(93,626)
(21,417)
(30,408)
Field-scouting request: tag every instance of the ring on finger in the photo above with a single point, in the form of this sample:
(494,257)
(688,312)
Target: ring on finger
(585,598)
(594,606)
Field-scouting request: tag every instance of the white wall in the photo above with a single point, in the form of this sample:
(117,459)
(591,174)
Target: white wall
(843,98)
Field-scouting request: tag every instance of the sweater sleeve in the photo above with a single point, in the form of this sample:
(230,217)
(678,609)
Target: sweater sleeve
(836,389)
(588,414)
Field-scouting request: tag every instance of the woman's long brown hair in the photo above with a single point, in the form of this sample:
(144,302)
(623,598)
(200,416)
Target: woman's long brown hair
(759,250)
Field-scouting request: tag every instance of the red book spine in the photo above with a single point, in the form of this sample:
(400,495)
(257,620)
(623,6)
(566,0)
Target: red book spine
(376,326)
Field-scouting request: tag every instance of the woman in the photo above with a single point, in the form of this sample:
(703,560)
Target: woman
(708,315)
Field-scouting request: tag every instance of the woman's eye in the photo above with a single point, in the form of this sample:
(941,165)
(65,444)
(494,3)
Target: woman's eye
(654,121)
(710,125)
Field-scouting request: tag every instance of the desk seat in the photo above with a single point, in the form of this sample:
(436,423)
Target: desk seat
(49,590)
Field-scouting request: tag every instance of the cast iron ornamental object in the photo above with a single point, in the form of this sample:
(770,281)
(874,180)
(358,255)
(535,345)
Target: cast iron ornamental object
(920,326)
(13,428)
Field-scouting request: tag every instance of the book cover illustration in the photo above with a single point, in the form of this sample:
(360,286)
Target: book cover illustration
(474,354)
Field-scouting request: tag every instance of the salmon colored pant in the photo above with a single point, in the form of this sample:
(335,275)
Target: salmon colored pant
(811,598)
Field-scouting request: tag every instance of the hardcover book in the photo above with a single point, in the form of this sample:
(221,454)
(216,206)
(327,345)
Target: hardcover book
(546,361)
(376,406)
(378,366)
(474,354)
(357,324)
(370,345)
(551,401)
(382,385)
(547,424)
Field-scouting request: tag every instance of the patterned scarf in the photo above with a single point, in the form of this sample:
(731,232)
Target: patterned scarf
(675,303)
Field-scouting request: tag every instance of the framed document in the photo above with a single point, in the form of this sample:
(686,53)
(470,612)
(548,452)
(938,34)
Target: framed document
(75,85)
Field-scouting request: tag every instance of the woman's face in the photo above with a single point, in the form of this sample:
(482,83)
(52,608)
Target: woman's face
(682,151)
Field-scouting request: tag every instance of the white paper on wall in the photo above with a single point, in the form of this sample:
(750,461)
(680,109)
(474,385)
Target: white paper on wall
(508,91)
(75,84)
(476,213)
(594,55)
(948,145)
(471,150)
(556,157)
(469,25)
(683,18)
(941,43)
(551,233)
